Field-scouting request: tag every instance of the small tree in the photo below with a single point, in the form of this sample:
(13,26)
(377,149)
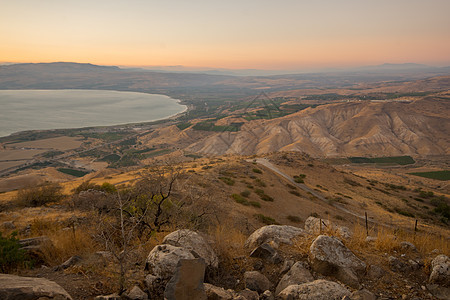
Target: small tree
(40,195)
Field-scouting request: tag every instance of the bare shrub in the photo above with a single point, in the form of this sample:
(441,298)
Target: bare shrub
(39,195)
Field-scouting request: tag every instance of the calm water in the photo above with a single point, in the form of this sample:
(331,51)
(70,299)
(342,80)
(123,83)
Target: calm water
(53,109)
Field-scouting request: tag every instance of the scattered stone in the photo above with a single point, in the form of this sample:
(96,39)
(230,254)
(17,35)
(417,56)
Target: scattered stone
(317,226)
(316,290)
(407,246)
(136,294)
(397,265)
(440,292)
(440,270)
(16,287)
(187,282)
(216,293)
(195,243)
(150,281)
(267,252)
(286,266)
(8,225)
(296,275)
(363,295)
(249,294)
(276,233)
(329,256)
(256,281)
(371,239)
(108,297)
(375,272)
(267,295)
(413,265)
(162,261)
(68,263)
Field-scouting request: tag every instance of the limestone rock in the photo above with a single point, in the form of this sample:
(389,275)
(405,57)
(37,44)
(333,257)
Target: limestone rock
(187,282)
(316,290)
(296,275)
(315,226)
(217,293)
(249,294)
(15,287)
(276,233)
(163,260)
(440,270)
(108,297)
(256,281)
(375,272)
(363,295)
(440,292)
(287,265)
(68,263)
(267,295)
(397,265)
(136,294)
(8,225)
(329,256)
(407,246)
(266,252)
(195,243)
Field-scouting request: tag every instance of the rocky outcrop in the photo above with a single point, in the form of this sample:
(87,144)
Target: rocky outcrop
(440,270)
(298,274)
(187,282)
(329,256)
(15,287)
(162,261)
(316,290)
(195,243)
(273,233)
(256,281)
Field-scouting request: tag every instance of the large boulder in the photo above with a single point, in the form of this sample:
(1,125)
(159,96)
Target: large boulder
(256,281)
(195,243)
(330,257)
(162,261)
(273,233)
(440,270)
(316,290)
(187,282)
(315,226)
(296,275)
(15,287)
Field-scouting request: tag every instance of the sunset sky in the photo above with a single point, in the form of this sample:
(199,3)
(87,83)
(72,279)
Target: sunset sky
(285,34)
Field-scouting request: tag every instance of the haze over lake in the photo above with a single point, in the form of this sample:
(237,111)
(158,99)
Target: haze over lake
(53,109)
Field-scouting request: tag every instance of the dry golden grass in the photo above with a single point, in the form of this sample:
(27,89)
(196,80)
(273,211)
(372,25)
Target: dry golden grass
(228,242)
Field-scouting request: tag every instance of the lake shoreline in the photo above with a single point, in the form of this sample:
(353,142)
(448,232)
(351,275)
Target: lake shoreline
(173,116)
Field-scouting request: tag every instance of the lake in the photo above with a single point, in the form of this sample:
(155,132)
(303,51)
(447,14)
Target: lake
(56,109)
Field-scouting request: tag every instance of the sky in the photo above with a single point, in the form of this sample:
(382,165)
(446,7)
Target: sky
(244,34)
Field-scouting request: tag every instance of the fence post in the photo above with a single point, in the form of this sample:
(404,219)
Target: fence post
(367,225)
(415,230)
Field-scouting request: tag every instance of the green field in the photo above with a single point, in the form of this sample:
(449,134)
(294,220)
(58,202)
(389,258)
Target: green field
(438,175)
(73,172)
(387,160)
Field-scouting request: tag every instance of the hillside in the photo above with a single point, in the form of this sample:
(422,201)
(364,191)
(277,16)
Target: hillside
(366,128)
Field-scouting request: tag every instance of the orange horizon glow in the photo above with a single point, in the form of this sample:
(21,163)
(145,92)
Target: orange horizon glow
(250,35)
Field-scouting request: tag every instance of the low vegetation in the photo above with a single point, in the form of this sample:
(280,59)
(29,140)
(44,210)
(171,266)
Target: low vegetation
(438,175)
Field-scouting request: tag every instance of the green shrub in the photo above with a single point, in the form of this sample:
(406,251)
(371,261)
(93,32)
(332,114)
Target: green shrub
(291,186)
(245,193)
(256,170)
(239,199)
(227,180)
(294,219)
(39,195)
(260,183)
(255,204)
(11,256)
(265,219)
(296,193)
(298,179)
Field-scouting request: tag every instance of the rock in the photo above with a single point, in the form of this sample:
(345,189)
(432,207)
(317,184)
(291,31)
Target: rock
(256,281)
(440,292)
(36,241)
(150,281)
(371,239)
(276,233)
(317,226)
(296,275)
(413,265)
(316,290)
(287,265)
(163,260)
(329,256)
(249,294)
(267,295)
(440,270)
(266,252)
(397,265)
(187,282)
(8,225)
(195,243)
(407,246)
(375,272)
(217,293)
(15,287)
(108,297)
(136,294)
(68,263)
(363,295)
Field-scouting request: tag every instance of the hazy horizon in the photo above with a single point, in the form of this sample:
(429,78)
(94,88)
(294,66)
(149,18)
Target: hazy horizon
(263,35)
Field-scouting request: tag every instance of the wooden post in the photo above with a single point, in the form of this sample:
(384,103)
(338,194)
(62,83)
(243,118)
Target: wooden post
(367,225)
(320,227)
(415,231)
